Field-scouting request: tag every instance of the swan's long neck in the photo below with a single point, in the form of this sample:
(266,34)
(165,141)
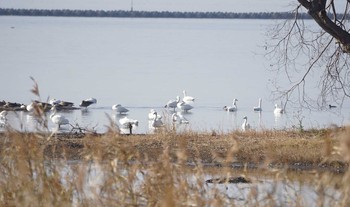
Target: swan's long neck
(184,92)
(234,103)
(260,103)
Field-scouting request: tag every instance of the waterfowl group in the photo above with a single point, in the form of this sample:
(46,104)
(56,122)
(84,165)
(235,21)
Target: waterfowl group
(184,105)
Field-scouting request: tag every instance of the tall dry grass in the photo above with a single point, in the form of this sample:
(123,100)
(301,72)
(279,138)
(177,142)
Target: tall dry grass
(165,169)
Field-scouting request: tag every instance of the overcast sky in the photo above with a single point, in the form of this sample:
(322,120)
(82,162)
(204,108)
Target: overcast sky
(156,5)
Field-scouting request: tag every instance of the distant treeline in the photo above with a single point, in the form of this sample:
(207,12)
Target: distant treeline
(151,14)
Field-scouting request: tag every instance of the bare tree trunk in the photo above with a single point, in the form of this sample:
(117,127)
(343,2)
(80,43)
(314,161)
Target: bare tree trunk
(317,10)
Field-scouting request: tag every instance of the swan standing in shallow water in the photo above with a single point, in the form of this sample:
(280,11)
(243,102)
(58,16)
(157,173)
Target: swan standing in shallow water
(184,106)
(258,108)
(278,110)
(58,119)
(233,107)
(173,103)
(187,99)
(120,109)
(178,117)
(151,115)
(87,102)
(245,125)
(156,123)
(3,119)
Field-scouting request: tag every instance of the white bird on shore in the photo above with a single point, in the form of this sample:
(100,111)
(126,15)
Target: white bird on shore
(184,106)
(233,107)
(187,99)
(245,125)
(173,103)
(278,110)
(258,108)
(57,118)
(120,109)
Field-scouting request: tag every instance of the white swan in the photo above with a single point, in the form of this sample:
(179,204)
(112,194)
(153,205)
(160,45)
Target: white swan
(3,119)
(184,106)
(120,109)
(58,119)
(156,123)
(245,125)
(173,103)
(177,117)
(258,108)
(187,99)
(87,102)
(278,110)
(233,107)
(151,115)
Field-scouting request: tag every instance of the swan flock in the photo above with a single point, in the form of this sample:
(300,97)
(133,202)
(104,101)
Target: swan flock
(179,107)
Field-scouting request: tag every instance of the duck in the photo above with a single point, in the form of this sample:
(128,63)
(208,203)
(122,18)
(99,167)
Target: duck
(258,108)
(120,109)
(57,118)
(184,106)
(278,110)
(232,108)
(332,106)
(173,103)
(186,98)
(245,125)
(128,123)
(179,118)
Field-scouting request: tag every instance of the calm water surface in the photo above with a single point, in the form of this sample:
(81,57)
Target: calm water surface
(143,63)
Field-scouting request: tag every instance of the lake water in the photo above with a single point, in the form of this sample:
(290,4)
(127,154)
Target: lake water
(143,63)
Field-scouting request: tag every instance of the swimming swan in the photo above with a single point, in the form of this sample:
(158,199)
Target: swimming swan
(120,109)
(278,110)
(187,99)
(233,107)
(258,108)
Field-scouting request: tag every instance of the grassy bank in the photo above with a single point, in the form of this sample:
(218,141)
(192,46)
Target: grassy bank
(34,168)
